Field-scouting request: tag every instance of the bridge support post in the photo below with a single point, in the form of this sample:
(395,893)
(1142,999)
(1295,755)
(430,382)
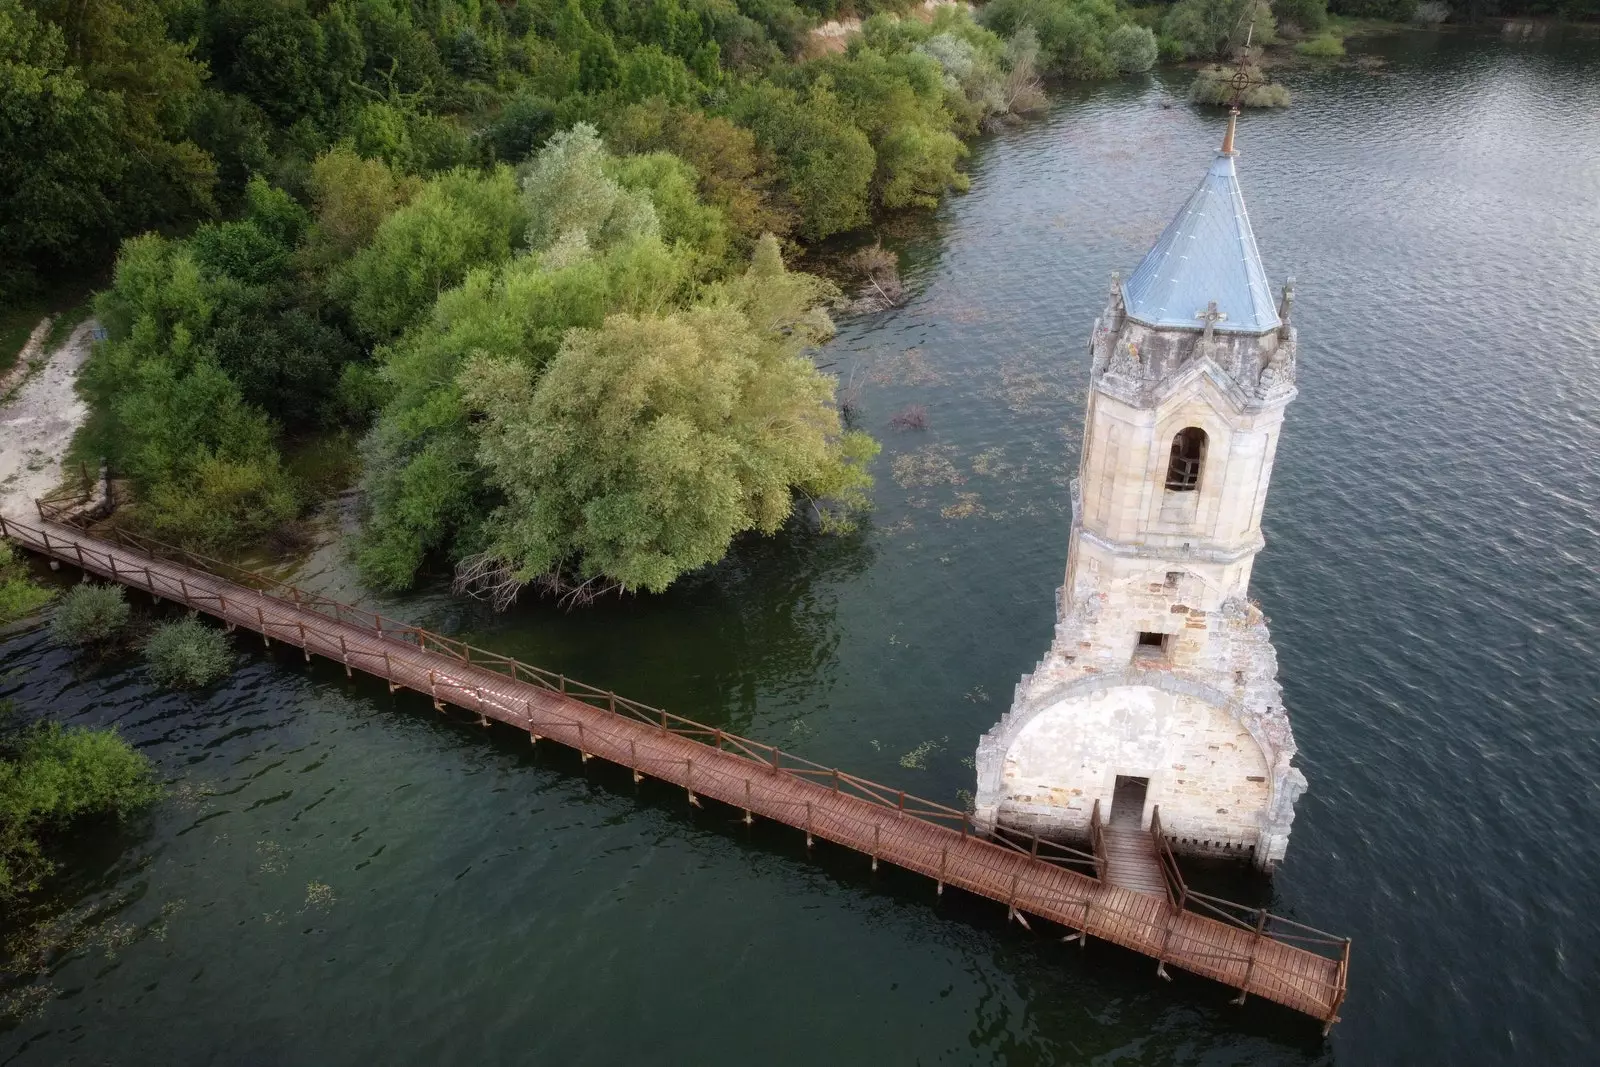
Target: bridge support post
(748,818)
(583,750)
(1161,956)
(482,721)
(433,691)
(876,844)
(344,657)
(261,621)
(305,646)
(633,760)
(808,824)
(388,672)
(1249,968)
(688,781)
(944,862)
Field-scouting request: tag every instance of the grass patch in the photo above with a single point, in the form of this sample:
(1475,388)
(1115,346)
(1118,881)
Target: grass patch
(187,654)
(1322,46)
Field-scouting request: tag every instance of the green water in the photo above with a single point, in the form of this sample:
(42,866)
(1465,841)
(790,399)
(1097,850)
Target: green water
(345,876)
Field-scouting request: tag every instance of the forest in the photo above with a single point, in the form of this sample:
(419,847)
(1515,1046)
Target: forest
(523,267)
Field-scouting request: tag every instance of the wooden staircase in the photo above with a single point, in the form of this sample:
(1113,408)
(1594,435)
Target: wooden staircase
(1128,851)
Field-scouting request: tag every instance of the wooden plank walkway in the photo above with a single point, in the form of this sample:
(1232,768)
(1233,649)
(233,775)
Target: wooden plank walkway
(759,779)
(1131,859)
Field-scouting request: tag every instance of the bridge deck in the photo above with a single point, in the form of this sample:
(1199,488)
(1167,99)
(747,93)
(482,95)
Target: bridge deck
(885,824)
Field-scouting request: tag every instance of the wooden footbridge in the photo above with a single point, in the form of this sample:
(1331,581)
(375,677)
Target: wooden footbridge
(1248,949)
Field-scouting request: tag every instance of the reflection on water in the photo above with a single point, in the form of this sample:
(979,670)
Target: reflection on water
(342,872)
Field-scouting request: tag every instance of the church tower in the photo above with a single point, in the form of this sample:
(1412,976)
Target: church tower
(1161,688)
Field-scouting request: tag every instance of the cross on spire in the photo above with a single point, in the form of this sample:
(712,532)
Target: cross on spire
(1242,83)
(1210,316)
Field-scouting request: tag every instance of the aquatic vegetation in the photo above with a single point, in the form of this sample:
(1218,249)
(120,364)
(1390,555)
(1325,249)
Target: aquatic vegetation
(965,507)
(91,614)
(929,465)
(917,758)
(187,654)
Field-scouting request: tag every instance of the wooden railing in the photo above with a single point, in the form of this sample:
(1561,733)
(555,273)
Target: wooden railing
(290,626)
(1258,921)
(770,756)
(1097,839)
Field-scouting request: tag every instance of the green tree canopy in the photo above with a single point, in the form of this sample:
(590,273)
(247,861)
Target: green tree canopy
(649,443)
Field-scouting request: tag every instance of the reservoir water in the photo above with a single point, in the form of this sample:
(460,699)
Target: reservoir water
(344,876)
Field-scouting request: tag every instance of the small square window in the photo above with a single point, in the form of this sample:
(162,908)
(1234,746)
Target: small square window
(1151,647)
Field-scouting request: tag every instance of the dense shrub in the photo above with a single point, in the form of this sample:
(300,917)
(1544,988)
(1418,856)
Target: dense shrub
(1214,85)
(90,614)
(187,654)
(51,776)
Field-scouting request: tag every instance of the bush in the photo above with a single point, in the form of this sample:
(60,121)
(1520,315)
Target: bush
(53,775)
(1324,46)
(187,654)
(90,615)
(1308,16)
(20,596)
(1214,85)
(1132,48)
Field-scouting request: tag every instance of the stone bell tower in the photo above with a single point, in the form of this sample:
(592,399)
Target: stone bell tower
(1160,687)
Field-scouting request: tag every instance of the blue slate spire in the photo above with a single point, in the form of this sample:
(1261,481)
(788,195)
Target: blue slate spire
(1207,253)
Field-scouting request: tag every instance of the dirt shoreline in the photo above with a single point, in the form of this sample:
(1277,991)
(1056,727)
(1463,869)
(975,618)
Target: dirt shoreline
(37,424)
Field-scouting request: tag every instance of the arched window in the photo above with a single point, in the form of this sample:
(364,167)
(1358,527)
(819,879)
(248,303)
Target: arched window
(1188,456)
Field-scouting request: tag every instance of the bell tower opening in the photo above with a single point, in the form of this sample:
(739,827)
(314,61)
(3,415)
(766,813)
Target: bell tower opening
(1188,457)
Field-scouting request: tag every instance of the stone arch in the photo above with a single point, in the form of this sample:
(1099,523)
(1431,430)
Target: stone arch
(1186,460)
(998,741)
(1284,782)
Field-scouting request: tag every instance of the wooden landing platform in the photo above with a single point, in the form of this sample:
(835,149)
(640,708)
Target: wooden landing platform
(1305,970)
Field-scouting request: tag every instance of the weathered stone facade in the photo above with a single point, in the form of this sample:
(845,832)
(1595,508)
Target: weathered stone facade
(1161,668)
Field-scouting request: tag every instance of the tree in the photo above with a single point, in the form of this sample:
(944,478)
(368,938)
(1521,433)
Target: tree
(826,162)
(423,483)
(52,776)
(454,223)
(1214,29)
(732,171)
(1131,49)
(649,443)
(1072,33)
(94,104)
(353,197)
(569,198)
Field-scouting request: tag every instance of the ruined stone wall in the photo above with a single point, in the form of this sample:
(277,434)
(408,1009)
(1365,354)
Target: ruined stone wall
(1206,772)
